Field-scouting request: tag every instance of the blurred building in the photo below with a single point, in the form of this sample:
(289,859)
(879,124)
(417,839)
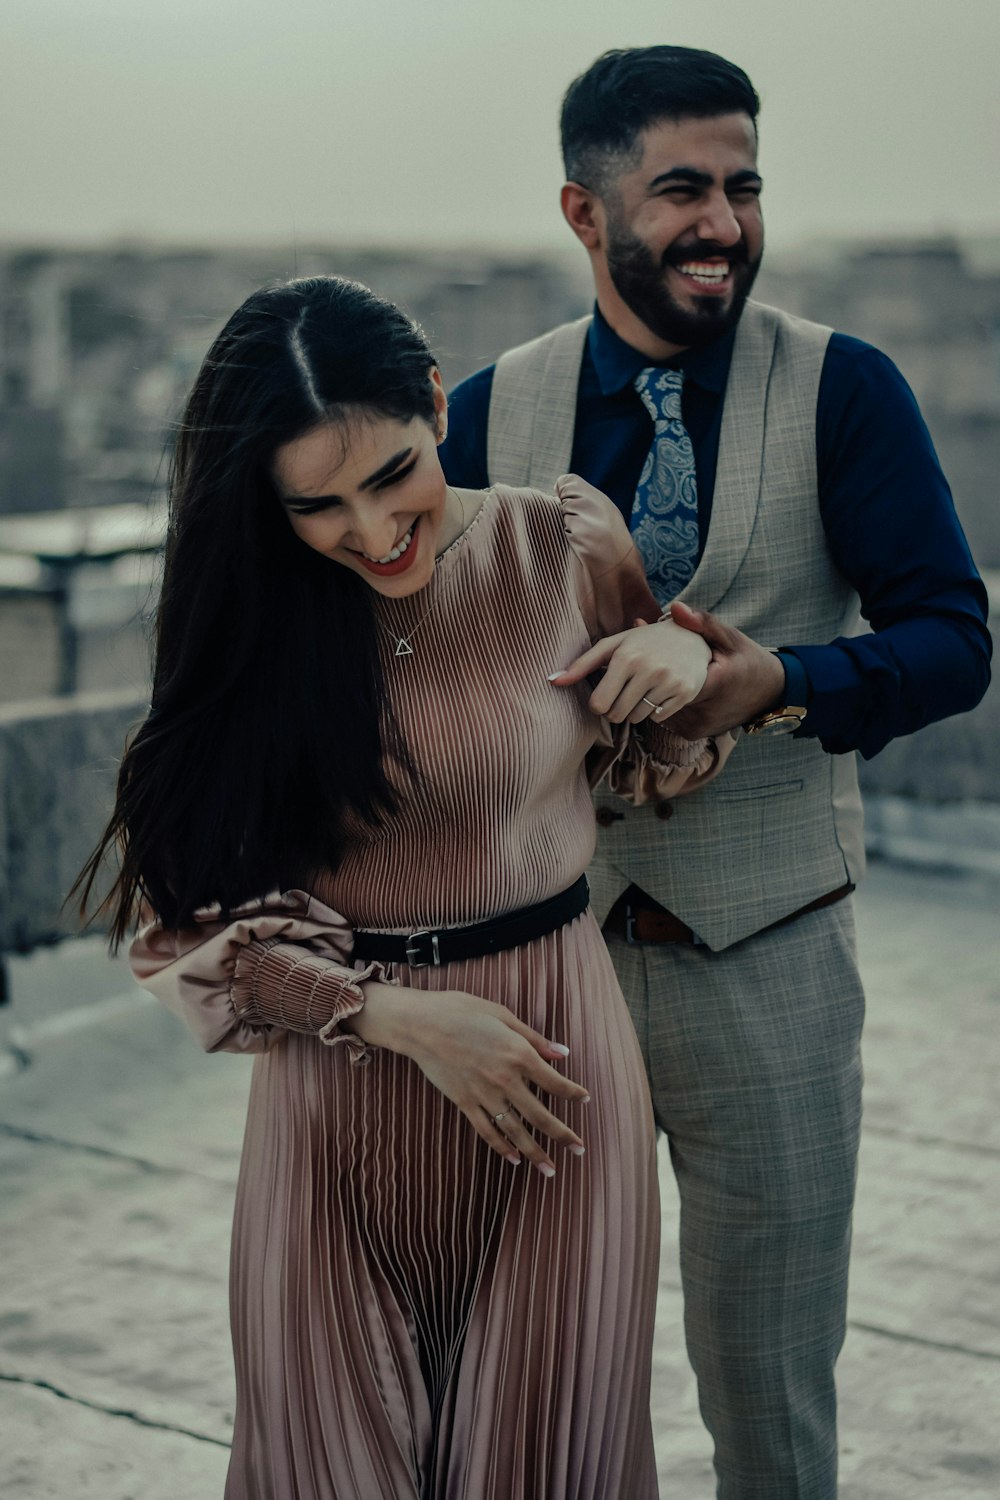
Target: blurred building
(99,347)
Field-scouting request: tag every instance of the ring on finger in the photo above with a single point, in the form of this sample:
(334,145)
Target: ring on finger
(656,707)
(503,1113)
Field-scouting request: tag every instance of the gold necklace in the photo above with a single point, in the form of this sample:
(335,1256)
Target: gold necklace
(403,647)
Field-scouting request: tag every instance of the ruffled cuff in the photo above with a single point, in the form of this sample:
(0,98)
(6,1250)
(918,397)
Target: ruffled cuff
(283,984)
(648,762)
(193,969)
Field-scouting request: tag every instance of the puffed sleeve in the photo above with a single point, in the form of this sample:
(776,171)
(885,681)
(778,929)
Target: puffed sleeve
(610,580)
(647,761)
(279,964)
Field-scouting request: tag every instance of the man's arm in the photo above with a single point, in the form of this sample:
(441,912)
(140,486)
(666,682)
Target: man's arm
(892,530)
(463,452)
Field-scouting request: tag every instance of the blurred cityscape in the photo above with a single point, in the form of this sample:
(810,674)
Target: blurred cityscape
(98,348)
(116,1378)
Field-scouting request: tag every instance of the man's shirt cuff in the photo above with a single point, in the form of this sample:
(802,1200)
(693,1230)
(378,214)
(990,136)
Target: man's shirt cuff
(796,691)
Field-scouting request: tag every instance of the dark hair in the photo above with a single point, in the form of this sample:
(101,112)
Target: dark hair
(607,107)
(268,730)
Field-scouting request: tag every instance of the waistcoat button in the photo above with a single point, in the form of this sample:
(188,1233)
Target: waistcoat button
(606,817)
(664,809)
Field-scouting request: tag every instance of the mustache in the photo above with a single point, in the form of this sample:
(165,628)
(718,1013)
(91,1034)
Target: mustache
(676,255)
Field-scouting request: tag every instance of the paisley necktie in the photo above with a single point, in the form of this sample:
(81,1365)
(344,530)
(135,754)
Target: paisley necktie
(664,520)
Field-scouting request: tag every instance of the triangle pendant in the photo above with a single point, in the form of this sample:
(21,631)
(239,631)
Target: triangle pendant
(403,649)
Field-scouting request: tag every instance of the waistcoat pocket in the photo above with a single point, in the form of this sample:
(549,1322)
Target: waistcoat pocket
(756,793)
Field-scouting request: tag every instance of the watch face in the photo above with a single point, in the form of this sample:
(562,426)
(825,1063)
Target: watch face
(777,723)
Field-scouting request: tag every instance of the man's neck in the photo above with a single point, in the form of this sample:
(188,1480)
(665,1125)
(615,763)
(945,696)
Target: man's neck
(632,331)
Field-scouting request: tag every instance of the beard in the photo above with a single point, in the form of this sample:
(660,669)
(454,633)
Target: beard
(639,279)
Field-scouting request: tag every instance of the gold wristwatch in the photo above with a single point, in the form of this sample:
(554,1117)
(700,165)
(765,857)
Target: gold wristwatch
(783,720)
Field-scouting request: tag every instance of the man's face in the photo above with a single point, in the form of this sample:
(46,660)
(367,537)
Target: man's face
(683,234)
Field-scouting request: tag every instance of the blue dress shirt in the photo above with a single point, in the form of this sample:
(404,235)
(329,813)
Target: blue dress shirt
(885,505)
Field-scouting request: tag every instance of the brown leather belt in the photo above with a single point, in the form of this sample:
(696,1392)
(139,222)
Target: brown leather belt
(638,919)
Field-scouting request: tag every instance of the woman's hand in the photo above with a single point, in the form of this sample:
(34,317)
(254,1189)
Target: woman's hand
(482,1057)
(649,672)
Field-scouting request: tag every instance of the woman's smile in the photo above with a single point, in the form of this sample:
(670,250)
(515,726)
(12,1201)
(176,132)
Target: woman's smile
(398,560)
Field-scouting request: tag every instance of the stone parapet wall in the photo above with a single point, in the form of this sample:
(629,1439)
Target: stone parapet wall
(30,644)
(59,758)
(58,762)
(955,761)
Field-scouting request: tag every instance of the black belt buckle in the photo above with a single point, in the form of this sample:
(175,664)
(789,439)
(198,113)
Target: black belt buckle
(423,950)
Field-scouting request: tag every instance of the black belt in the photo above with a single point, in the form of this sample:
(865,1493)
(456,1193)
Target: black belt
(449,945)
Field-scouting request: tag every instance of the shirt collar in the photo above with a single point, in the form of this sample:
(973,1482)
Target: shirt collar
(617,363)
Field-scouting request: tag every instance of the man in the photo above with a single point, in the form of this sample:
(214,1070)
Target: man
(775,476)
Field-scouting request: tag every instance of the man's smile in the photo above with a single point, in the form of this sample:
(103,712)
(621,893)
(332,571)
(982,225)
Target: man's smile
(711,275)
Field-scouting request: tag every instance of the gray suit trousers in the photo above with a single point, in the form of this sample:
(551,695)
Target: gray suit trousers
(755,1070)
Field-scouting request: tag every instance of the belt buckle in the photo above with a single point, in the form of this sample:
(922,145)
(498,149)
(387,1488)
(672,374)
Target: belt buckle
(629,925)
(419,957)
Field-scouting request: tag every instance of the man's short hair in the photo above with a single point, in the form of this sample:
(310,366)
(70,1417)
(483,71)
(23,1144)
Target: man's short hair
(606,109)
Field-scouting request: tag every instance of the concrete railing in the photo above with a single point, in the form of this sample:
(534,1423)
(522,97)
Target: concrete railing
(58,762)
(59,758)
(956,761)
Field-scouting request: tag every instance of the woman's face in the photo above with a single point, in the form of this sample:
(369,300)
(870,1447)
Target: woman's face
(369,493)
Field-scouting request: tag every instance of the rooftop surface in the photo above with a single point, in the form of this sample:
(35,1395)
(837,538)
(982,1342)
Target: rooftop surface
(118,1152)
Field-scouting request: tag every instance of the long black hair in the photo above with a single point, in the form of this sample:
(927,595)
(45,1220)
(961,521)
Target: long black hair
(267,735)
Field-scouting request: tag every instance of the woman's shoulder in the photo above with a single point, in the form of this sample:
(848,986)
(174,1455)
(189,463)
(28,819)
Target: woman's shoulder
(574,520)
(573,525)
(582,513)
(519,517)
(586,509)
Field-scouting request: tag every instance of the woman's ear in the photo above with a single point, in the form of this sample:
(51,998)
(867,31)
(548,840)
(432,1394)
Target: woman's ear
(440,406)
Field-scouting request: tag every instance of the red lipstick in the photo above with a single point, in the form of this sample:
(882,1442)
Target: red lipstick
(399,564)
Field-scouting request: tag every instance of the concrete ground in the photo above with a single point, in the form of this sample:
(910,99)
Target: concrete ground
(118,1154)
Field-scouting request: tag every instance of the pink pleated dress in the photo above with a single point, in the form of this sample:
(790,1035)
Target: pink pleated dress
(413,1318)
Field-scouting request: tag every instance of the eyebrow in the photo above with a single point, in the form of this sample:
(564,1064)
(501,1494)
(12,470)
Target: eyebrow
(694,178)
(380,473)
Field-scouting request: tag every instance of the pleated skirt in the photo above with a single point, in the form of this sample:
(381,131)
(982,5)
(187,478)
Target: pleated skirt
(413,1317)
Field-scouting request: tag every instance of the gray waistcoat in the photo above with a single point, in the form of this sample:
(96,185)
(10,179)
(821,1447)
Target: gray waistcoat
(782,825)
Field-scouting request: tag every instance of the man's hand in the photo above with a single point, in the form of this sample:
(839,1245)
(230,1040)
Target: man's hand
(648,673)
(743,679)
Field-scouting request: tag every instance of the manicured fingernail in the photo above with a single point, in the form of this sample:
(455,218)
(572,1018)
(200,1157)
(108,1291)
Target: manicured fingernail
(577,1150)
(546,1169)
(558,1047)
(554,676)
(515,1161)
(585,1099)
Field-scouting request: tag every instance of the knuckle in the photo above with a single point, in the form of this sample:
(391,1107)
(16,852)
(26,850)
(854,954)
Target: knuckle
(509,1047)
(519,1054)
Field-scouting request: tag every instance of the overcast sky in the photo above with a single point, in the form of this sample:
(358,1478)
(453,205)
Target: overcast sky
(430,121)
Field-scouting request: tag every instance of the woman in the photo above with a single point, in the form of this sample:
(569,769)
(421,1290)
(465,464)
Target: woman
(445,1249)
